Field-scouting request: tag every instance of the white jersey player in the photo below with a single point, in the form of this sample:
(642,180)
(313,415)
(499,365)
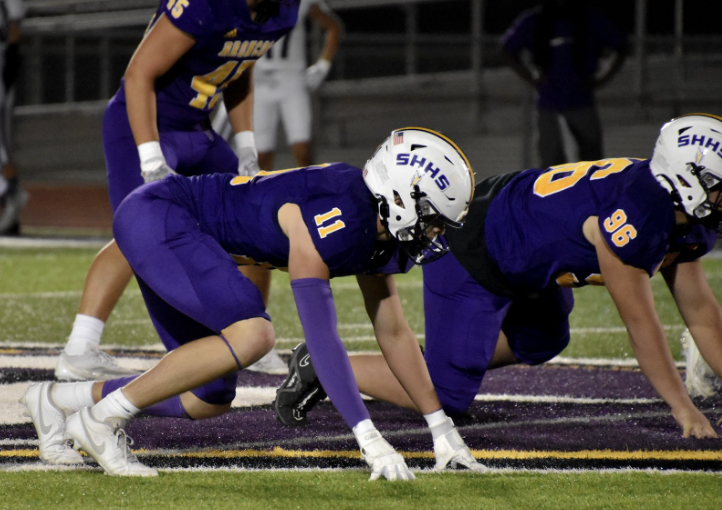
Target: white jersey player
(282,83)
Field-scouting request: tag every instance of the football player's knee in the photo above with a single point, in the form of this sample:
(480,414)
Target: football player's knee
(252,335)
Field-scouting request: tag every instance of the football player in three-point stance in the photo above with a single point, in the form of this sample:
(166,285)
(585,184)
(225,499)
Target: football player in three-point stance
(184,239)
(193,53)
(503,295)
(281,86)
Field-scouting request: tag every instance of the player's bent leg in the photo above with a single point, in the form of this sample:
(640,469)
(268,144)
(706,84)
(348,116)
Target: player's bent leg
(199,362)
(105,282)
(302,153)
(271,363)
(503,355)
(197,409)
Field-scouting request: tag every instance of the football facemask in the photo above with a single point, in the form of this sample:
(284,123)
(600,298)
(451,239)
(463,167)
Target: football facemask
(422,182)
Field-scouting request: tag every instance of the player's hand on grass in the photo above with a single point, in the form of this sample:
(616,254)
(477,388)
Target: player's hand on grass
(694,423)
(450,449)
(381,457)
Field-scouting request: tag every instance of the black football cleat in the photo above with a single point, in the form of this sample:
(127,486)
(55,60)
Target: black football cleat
(301,390)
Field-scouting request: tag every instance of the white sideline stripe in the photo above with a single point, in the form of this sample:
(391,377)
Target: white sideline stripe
(39,242)
(563,400)
(39,466)
(11,411)
(50,362)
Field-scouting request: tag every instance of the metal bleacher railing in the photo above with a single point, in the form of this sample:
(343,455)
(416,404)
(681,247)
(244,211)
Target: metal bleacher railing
(75,52)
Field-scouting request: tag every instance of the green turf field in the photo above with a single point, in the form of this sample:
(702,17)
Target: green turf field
(41,288)
(39,295)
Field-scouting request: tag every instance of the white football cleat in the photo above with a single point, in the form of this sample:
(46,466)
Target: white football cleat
(700,379)
(271,363)
(92,365)
(49,421)
(108,445)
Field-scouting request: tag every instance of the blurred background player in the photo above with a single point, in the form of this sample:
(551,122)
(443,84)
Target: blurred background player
(613,222)
(193,53)
(282,86)
(282,83)
(12,196)
(566,39)
(184,239)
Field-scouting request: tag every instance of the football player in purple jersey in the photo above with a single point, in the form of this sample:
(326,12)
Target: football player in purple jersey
(184,239)
(193,53)
(504,293)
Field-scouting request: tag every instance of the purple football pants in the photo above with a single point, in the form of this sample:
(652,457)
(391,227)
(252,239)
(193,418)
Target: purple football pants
(189,152)
(463,321)
(191,286)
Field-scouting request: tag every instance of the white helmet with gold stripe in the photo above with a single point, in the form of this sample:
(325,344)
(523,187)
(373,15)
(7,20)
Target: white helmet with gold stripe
(420,179)
(687,162)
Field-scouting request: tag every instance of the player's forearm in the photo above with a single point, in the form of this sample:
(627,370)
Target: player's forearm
(142,109)
(406,362)
(656,362)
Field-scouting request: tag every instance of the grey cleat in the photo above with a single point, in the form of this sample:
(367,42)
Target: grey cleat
(271,363)
(700,379)
(49,421)
(90,366)
(109,445)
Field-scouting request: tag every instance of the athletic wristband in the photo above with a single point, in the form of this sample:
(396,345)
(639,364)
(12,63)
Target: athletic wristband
(149,151)
(245,139)
(323,64)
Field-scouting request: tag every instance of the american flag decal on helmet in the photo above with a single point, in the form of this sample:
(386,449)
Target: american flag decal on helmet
(398,137)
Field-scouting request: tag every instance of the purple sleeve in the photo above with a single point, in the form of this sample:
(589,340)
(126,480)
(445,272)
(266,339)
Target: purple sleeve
(193,17)
(317,312)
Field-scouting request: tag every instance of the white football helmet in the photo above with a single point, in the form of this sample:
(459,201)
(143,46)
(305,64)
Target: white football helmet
(420,178)
(687,162)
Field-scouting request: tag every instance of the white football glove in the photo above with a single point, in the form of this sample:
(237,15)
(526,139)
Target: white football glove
(449,448)
(152,163)
(381,457)
(316,73)
(247,154)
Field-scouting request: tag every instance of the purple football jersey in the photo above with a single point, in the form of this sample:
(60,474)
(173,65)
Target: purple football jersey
(228,41)
(241,213)
(534,226)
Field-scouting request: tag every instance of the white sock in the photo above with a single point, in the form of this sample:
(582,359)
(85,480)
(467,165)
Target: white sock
(363,427)
(114,408)
(85,335)
(72,397)
(439,423)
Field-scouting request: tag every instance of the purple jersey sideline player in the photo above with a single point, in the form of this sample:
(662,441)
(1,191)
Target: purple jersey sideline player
(193,52)
(614,222)
(184,238)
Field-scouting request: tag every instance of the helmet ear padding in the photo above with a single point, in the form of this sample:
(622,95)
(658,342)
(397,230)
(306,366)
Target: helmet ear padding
(419,176)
